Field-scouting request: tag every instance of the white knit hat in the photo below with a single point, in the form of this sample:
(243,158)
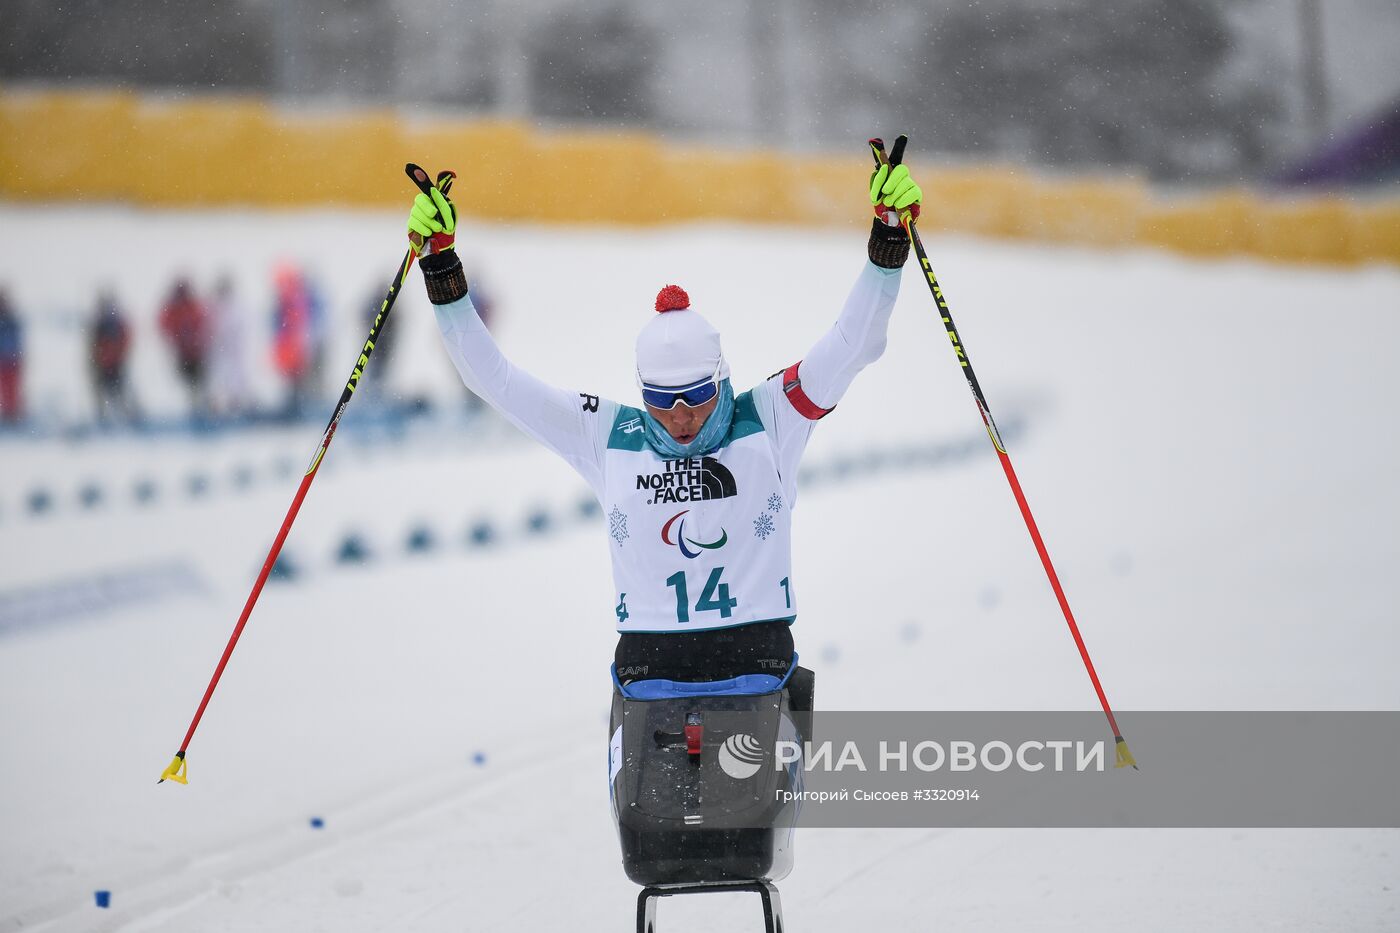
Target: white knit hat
(678,347)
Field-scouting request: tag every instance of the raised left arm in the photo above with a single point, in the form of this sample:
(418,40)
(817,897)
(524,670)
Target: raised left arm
(856,340)
(858,337)
(792,401)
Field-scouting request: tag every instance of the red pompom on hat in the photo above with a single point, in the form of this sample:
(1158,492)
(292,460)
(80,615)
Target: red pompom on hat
(672,298)
(678,349)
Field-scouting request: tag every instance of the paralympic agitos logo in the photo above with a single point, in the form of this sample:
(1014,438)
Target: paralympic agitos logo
(689,479)
(678,539)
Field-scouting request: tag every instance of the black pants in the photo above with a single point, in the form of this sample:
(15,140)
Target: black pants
(717,654)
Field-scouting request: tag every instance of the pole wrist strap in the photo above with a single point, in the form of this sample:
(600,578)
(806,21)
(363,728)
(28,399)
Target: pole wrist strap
(889,246)
(443,275)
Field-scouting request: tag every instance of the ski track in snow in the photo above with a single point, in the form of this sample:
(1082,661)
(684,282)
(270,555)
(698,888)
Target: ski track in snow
(162,899)
(1191,458)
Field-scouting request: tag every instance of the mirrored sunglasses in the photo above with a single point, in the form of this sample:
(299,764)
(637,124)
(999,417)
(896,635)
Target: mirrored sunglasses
(692,396)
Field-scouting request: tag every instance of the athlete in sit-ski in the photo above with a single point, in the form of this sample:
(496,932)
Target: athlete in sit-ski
(699,483)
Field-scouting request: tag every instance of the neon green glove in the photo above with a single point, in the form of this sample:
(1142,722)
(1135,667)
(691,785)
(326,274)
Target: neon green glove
(432,223)
(892,190)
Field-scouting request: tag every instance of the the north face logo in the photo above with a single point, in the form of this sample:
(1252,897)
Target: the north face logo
(690,479)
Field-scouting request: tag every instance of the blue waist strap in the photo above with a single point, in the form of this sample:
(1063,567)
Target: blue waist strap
(745,685)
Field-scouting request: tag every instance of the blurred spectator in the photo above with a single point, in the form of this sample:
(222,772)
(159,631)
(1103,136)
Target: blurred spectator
(298,335)
(109,345)
(228,376)
(11,362)
(185,324)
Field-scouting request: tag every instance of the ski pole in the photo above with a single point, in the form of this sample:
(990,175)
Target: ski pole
(877,148)
(177,771)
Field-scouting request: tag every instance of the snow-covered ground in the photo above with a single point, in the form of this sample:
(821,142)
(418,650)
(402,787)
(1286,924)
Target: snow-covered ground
(1209,448)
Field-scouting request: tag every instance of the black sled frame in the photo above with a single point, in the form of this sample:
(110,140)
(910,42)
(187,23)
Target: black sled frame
(772,904)
(664,784)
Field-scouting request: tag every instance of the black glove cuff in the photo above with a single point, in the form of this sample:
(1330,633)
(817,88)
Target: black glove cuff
(889,246)
(442,273)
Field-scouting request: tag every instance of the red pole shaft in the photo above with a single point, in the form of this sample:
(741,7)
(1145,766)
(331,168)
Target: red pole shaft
(257,590)
(346,394)
(424,183)
(877,148)
(1055,584)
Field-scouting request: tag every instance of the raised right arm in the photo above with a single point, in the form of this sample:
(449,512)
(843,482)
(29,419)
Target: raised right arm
(575,425)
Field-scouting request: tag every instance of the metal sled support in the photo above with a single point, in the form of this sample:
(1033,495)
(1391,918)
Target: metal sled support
(772,904)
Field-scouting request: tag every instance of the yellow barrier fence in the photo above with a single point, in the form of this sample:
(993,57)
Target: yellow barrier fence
(119,146)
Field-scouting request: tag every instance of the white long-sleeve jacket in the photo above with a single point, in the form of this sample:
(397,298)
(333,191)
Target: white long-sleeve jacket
(701,542)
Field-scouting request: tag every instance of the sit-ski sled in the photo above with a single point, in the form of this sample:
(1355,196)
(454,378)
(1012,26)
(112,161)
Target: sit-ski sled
(696,790)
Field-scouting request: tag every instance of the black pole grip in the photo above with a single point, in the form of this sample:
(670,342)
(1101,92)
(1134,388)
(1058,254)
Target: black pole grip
(877,150)
(424,184)
(420,178)
(897,153)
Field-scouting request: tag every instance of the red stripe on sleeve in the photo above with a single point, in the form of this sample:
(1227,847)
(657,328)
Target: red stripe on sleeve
(792,388)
